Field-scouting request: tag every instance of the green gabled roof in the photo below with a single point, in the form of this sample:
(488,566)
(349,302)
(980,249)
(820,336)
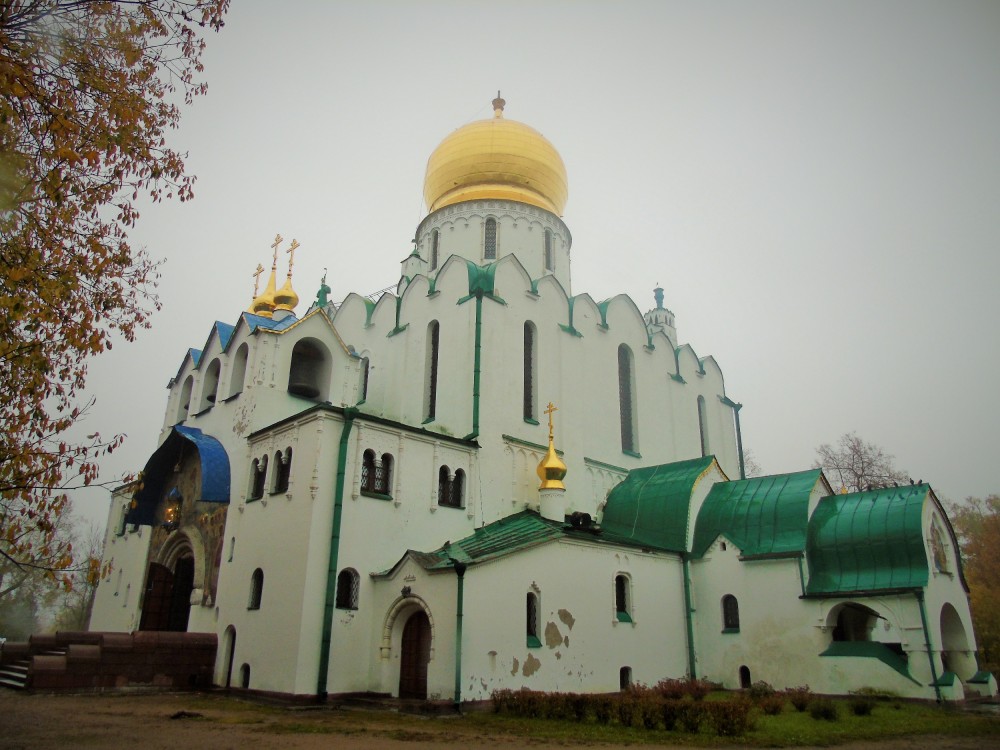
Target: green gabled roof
(761,516)
(868,541)
(650,506)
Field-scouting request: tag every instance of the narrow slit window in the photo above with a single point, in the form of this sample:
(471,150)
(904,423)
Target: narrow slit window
(531,612)
(256,589)
(550,261)
(623,599)
(730,613)
(433,351)
(529,371)
(435,237)
(626,398)
(490,243)
(703,426)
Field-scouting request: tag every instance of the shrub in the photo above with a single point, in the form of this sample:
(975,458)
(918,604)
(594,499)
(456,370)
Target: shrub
(502,700)
(627,709)
(670,712)
(861,705)
(730,718)
(799,697)
(823,708)
(580,705)
(604,708)
(690,715)
(650,710)
(676,689)
(760,689)
(772,705)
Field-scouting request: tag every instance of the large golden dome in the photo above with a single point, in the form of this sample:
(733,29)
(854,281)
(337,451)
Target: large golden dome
(496,158)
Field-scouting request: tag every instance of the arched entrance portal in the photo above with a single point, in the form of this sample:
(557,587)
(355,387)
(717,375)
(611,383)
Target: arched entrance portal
(956,655)
(167,599)
(415,653)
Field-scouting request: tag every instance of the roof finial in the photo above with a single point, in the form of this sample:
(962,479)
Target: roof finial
(658,296)
(551,470)
(498,105)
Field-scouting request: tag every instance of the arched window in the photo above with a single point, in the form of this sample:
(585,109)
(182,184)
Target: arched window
(368,471)
(626,399)
(625,678)
(529,371)
(531,612)
(239,372)
(730,614)
(550,261)
(348,586)
(457,488)
(258,474)
(210,385)
(745,679)
(383,474)
(703,426)
(282,470)
(435,237)
(490,240)
(309,371)
(245,676)
(446,494)
(623,598)
(431,371)
(256,589)
(364,378)
(184,404)
(120,528)
(232,548)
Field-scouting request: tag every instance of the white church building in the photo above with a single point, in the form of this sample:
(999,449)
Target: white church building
(377,495)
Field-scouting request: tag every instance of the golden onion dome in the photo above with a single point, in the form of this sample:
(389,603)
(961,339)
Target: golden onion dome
(496,158)
(286,298)
(551,470)
(264,303)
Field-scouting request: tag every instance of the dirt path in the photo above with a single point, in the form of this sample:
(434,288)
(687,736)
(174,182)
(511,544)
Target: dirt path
(215,722)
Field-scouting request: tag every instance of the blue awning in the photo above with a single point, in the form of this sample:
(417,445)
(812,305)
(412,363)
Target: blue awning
(215,475)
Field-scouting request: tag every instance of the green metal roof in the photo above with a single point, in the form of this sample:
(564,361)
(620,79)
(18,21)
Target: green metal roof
(650,506)
(762,516)
(868,541)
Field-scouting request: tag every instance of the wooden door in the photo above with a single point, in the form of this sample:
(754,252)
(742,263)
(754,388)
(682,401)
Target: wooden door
(416,653)
(156,601)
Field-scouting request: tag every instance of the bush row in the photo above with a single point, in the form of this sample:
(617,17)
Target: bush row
(641,707)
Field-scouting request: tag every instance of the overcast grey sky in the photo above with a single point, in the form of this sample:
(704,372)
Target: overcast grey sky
(816,187)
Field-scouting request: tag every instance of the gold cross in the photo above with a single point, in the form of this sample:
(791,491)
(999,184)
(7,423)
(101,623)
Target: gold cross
(278,239)
(256,279)
(550,411)
(291,256)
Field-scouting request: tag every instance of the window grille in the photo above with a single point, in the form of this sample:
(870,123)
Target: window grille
(490,245)
(457,488)
(348,589)
(368,471)
(730,613)
(383,475)
(283,469)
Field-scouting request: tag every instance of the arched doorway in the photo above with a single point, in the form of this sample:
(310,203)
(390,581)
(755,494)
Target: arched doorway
(955,653)
(415,653)
(167,599)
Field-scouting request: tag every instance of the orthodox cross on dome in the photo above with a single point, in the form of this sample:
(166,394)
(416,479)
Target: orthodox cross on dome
(256,279)
(498,105)
(291,256)
(278,239)
(550,410)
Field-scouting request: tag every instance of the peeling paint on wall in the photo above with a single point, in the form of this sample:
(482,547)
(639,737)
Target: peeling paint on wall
(566,641)
(513,670)
(558,654)
(553,638)
(567,618)
(531,665)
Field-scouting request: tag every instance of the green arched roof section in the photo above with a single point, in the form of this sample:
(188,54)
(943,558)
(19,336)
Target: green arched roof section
(761,516)
(650,506)
(481,278)
(868,541)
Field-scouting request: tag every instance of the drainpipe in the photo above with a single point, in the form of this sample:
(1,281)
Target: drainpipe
(460,572)
(927,639)
(477,368)
(689,616)
(331,573)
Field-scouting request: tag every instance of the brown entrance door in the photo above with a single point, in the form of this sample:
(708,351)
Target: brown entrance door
(416,652)
(167,600)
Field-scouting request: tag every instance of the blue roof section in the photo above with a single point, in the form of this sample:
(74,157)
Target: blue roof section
(215,472)
(762,515)
(259,321)
(868,541)
(195,355)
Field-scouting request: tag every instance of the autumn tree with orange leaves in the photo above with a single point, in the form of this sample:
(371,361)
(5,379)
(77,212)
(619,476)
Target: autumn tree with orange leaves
(88,93)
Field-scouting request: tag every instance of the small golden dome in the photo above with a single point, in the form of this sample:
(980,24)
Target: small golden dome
(551,469)
(286,298)
(496,158)
(264,303)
